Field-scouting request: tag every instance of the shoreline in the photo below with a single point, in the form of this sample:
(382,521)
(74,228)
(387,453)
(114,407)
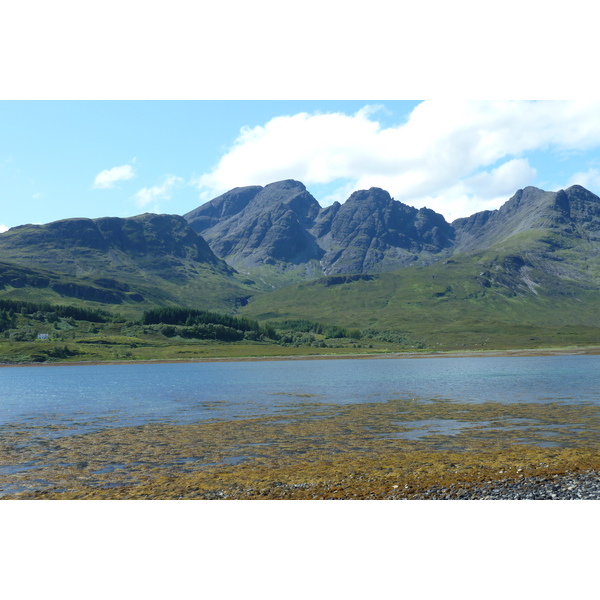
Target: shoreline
(566,351)
(390,449)
(511,473)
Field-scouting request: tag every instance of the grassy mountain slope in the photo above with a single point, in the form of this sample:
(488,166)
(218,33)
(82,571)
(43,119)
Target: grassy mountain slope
(492,299)
(126,264)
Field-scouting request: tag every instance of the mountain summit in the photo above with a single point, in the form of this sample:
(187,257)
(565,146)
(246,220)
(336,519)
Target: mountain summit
(574,211)
(283,226)
(251,226)
(279,234)
(372,232)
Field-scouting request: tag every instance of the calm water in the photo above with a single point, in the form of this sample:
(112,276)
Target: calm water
(94,397)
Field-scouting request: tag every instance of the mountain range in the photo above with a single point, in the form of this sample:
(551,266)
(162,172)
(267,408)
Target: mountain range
(274,252)
(281,228)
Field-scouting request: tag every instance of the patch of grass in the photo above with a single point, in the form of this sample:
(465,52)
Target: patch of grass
(73,340)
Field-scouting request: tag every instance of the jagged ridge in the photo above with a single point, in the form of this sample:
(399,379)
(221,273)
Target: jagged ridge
(282,224)
(283,227)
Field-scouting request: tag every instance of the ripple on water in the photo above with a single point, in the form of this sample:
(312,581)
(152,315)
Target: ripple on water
(22,468)
(424,428)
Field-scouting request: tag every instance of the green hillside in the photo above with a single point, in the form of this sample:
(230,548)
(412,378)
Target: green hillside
(487,300)
(126,294)
(122,265)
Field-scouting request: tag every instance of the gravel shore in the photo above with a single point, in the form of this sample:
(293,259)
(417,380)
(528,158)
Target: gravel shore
(570,486)
(576,485)
(565,486)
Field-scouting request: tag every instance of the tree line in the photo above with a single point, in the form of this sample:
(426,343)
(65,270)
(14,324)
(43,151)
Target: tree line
(64,311)
(201,324)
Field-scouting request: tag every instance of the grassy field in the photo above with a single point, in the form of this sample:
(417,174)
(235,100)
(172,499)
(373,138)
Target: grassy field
(101,337)
(74,341)
(109,350)
(106,348)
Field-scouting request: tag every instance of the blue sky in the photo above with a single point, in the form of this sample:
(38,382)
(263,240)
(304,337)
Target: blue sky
(52,151)
(108,109)
(63,159)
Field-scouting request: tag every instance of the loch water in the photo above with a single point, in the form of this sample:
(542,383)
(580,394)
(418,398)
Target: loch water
(94,397)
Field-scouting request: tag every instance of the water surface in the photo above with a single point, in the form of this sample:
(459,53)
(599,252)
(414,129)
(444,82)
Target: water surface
(93,397)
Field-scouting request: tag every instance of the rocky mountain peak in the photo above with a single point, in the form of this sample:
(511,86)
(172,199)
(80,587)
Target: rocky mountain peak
(282,224)
(529,208)
(372,196)
(223,207)
(269,224)
(582,208)
(293,195)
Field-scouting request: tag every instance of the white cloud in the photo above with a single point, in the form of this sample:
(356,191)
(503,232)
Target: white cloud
(504,179)
(108,177)
(486,190)
(3,228)
(151,195)
(446,156)
(589,179)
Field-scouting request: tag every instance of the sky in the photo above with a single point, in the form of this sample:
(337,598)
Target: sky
(83,158)
(110,110)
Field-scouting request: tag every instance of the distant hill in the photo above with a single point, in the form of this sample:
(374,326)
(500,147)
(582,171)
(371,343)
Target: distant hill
(139,261)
